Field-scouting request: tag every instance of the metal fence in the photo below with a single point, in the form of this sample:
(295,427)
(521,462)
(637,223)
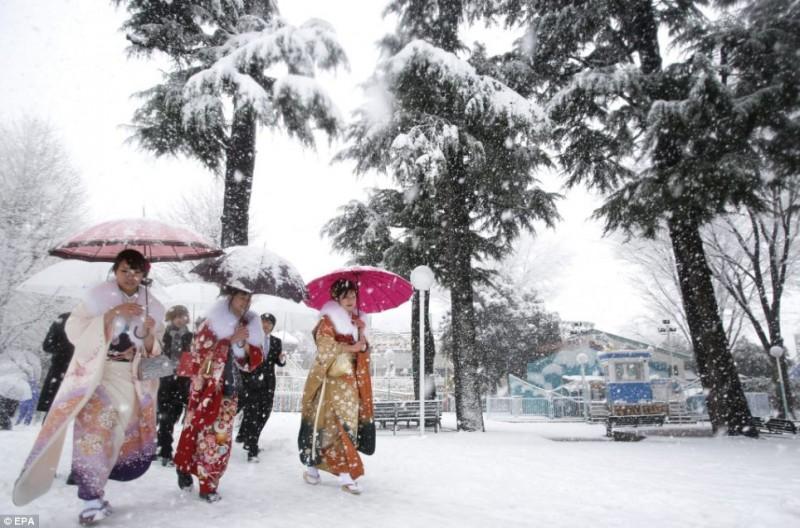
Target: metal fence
(289,391)
(544,407)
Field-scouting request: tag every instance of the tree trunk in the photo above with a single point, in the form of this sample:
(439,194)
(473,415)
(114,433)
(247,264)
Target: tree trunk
(727,405)
(787,387)
(239,168)
(776,339)
(430,347)
(466,374)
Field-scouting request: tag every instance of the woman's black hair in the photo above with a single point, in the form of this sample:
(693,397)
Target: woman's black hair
(229,291)
(342,287)
(135,260)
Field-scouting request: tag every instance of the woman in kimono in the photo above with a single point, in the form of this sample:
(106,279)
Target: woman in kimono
(229,340)
(113,412)
(336,419)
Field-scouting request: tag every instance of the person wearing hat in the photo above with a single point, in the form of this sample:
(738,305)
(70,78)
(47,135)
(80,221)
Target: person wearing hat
(173,391)
(229,342)
(259,390)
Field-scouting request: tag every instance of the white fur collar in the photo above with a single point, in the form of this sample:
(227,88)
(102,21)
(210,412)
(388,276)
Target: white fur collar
(107,295)
(223,323)
(341,320)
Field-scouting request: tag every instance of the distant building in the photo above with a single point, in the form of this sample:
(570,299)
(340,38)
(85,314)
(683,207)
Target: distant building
(391,354)
(570,329)
(560,367)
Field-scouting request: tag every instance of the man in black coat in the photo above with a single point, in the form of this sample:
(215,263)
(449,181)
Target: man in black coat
(173,391)
(58,346)
(258,391)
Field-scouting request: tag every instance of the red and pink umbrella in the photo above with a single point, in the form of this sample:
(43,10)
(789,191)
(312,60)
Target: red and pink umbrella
(378,289)
(158,241)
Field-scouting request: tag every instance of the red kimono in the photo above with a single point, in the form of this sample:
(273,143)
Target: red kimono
(205,444)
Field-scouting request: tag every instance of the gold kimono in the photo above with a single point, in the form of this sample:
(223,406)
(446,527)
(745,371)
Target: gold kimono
(336,419)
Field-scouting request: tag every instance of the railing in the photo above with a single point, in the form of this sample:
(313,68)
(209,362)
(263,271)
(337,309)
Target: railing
(550,407)
(289,391)
(287,401)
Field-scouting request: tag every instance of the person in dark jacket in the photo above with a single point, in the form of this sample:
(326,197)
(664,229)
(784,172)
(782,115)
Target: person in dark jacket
(58,346)
(259,390)
(7,409)
(173,391)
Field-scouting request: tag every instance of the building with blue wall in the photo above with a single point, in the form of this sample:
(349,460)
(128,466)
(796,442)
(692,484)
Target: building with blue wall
(551,371)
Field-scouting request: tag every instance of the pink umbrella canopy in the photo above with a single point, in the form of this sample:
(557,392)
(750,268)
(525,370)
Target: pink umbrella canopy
(158,241)
(378,289)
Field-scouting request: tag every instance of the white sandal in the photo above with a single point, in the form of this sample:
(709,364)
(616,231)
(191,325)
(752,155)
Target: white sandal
(92,514)
(348,484)
(352,489)
(311,479)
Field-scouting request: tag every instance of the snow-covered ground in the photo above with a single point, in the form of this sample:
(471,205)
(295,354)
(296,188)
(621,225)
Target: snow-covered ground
(521,474)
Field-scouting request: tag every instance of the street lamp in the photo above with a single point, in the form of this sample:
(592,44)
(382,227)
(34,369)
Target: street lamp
(776,352)
(669,330)
(391,373)
(422,279)
(388,358)
(583,359)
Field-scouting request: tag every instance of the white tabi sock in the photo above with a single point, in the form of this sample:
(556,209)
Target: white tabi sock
(94,503)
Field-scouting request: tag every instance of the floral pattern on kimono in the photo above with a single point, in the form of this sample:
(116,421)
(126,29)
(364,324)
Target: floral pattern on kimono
(81,394)
(204,447)
(336,419)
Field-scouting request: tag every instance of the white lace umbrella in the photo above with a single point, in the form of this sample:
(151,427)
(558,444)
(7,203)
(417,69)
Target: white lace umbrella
(73,278)
(289,314)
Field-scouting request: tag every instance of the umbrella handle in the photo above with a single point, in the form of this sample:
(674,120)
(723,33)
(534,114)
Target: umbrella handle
(146,311)
(136,333)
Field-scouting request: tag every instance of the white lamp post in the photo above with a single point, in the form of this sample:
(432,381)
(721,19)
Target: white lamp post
(388,358)
(422,280)
(583,359)
(776,352)
(669,330)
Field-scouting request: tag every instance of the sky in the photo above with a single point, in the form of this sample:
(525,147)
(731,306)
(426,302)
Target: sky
(65,61)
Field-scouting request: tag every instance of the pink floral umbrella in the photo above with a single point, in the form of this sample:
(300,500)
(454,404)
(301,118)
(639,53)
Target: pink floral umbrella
(158,241)
(378,289)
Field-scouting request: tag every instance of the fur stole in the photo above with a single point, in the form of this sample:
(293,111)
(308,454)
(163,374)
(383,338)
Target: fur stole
(223,323)
(107,295)
(342,321)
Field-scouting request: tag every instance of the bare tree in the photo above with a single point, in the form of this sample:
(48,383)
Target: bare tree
(656,279)
(42,201)
(540,263)
(199,209)
(754,254)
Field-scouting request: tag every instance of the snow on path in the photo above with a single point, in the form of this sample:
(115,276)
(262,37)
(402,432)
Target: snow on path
(524,474)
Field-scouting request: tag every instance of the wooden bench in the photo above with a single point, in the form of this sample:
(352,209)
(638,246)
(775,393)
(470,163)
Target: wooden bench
(395,412)
(775,426)
(650,413)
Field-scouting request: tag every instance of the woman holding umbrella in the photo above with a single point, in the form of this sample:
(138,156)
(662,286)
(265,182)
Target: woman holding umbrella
(336,418)
(229,340)
(114,412)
